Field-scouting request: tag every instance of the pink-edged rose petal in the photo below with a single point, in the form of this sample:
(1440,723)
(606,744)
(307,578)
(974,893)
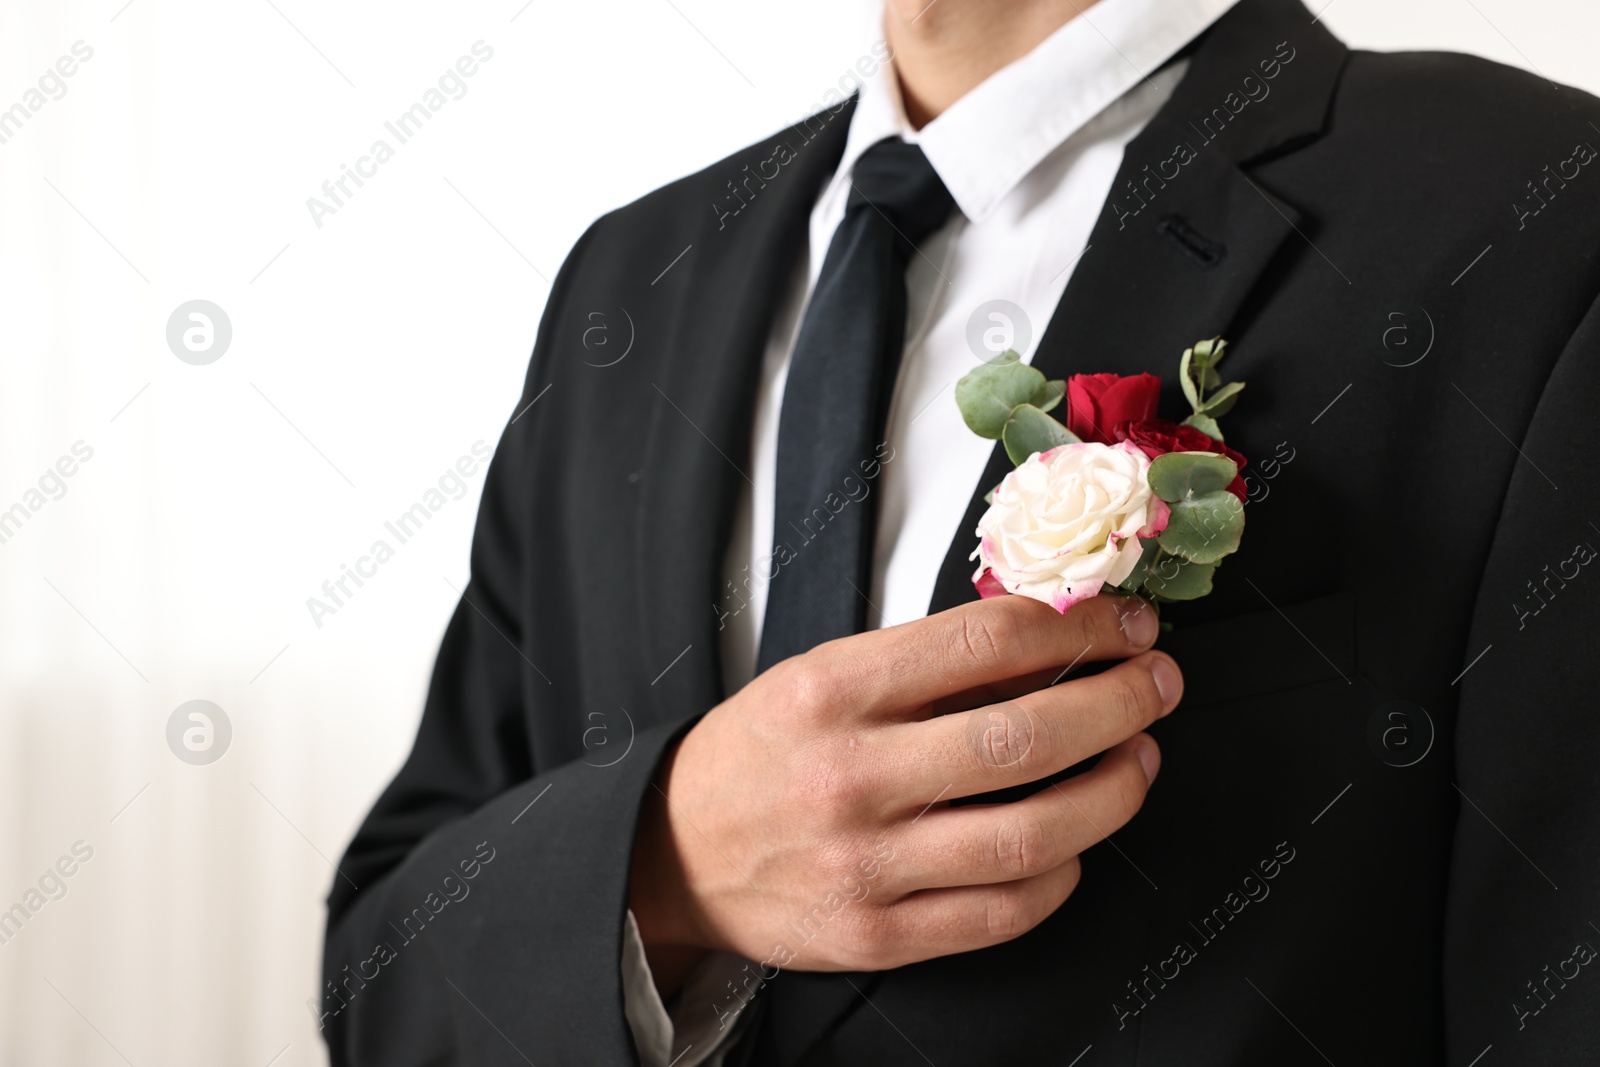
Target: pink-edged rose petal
(1066,597)
(988,585)
(1157,517)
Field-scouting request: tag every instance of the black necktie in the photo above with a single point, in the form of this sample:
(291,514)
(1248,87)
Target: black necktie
(835,402)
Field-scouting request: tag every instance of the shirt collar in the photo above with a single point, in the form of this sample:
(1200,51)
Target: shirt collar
(991,138)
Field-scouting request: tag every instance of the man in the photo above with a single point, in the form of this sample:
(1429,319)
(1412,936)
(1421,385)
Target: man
(712,773)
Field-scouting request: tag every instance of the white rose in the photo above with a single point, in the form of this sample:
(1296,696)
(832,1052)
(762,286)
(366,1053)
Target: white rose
(1067,522)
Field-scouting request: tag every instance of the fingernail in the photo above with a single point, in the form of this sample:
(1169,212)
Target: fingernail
(1139,623)
(1149,759)
(1169,682)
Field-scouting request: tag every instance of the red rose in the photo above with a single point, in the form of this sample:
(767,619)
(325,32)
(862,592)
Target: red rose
(1099,403)
(1157,437)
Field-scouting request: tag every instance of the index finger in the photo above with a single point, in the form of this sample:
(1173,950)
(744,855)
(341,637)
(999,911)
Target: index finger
(904,668)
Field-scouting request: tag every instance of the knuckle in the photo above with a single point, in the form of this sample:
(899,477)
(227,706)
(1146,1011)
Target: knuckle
(832,782)
(1000,737)
(1019,847)
(831,861)
(866,936)
(808,685)
(855,785)
(985,636)
(1012,910)
(1009,911)
(1100,623)
(1134,698)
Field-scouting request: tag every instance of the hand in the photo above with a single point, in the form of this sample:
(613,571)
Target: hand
(805,822)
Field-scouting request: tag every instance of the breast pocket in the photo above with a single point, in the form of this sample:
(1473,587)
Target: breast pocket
(1277,648)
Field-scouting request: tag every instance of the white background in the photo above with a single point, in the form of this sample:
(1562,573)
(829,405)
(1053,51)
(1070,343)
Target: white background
(367,356)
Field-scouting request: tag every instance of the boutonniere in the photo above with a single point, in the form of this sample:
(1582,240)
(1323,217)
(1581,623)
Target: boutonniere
(1114,499)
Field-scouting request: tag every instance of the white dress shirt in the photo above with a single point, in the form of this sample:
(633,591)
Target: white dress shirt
(1029,157)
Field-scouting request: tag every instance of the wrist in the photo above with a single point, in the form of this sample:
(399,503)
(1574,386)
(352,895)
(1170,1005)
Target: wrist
(658,892)
(660,900)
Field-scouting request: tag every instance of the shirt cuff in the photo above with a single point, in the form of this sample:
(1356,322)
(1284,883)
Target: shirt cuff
(704,1016)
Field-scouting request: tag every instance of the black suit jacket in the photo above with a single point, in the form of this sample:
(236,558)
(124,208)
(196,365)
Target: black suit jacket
(1376,835)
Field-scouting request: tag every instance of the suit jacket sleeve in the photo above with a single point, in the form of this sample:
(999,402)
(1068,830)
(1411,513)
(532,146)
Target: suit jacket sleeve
(1521,972)
(477,915)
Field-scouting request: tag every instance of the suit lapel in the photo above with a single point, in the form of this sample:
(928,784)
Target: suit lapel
(714,317)
(1172,261)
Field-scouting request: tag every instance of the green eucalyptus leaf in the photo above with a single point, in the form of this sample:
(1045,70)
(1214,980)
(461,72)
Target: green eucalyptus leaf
(987,394)
(1221,402)
(1208,353)
(1187,382)
(1205,424)
(1030,430)
(1204,528)
(1178,579)
(984,413)
(1051,394)
(1178,475)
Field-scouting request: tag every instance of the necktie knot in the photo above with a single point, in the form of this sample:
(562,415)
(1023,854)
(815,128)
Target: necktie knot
(895,178)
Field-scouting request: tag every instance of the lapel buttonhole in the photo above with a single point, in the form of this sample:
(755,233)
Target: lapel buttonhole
(1195,245)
